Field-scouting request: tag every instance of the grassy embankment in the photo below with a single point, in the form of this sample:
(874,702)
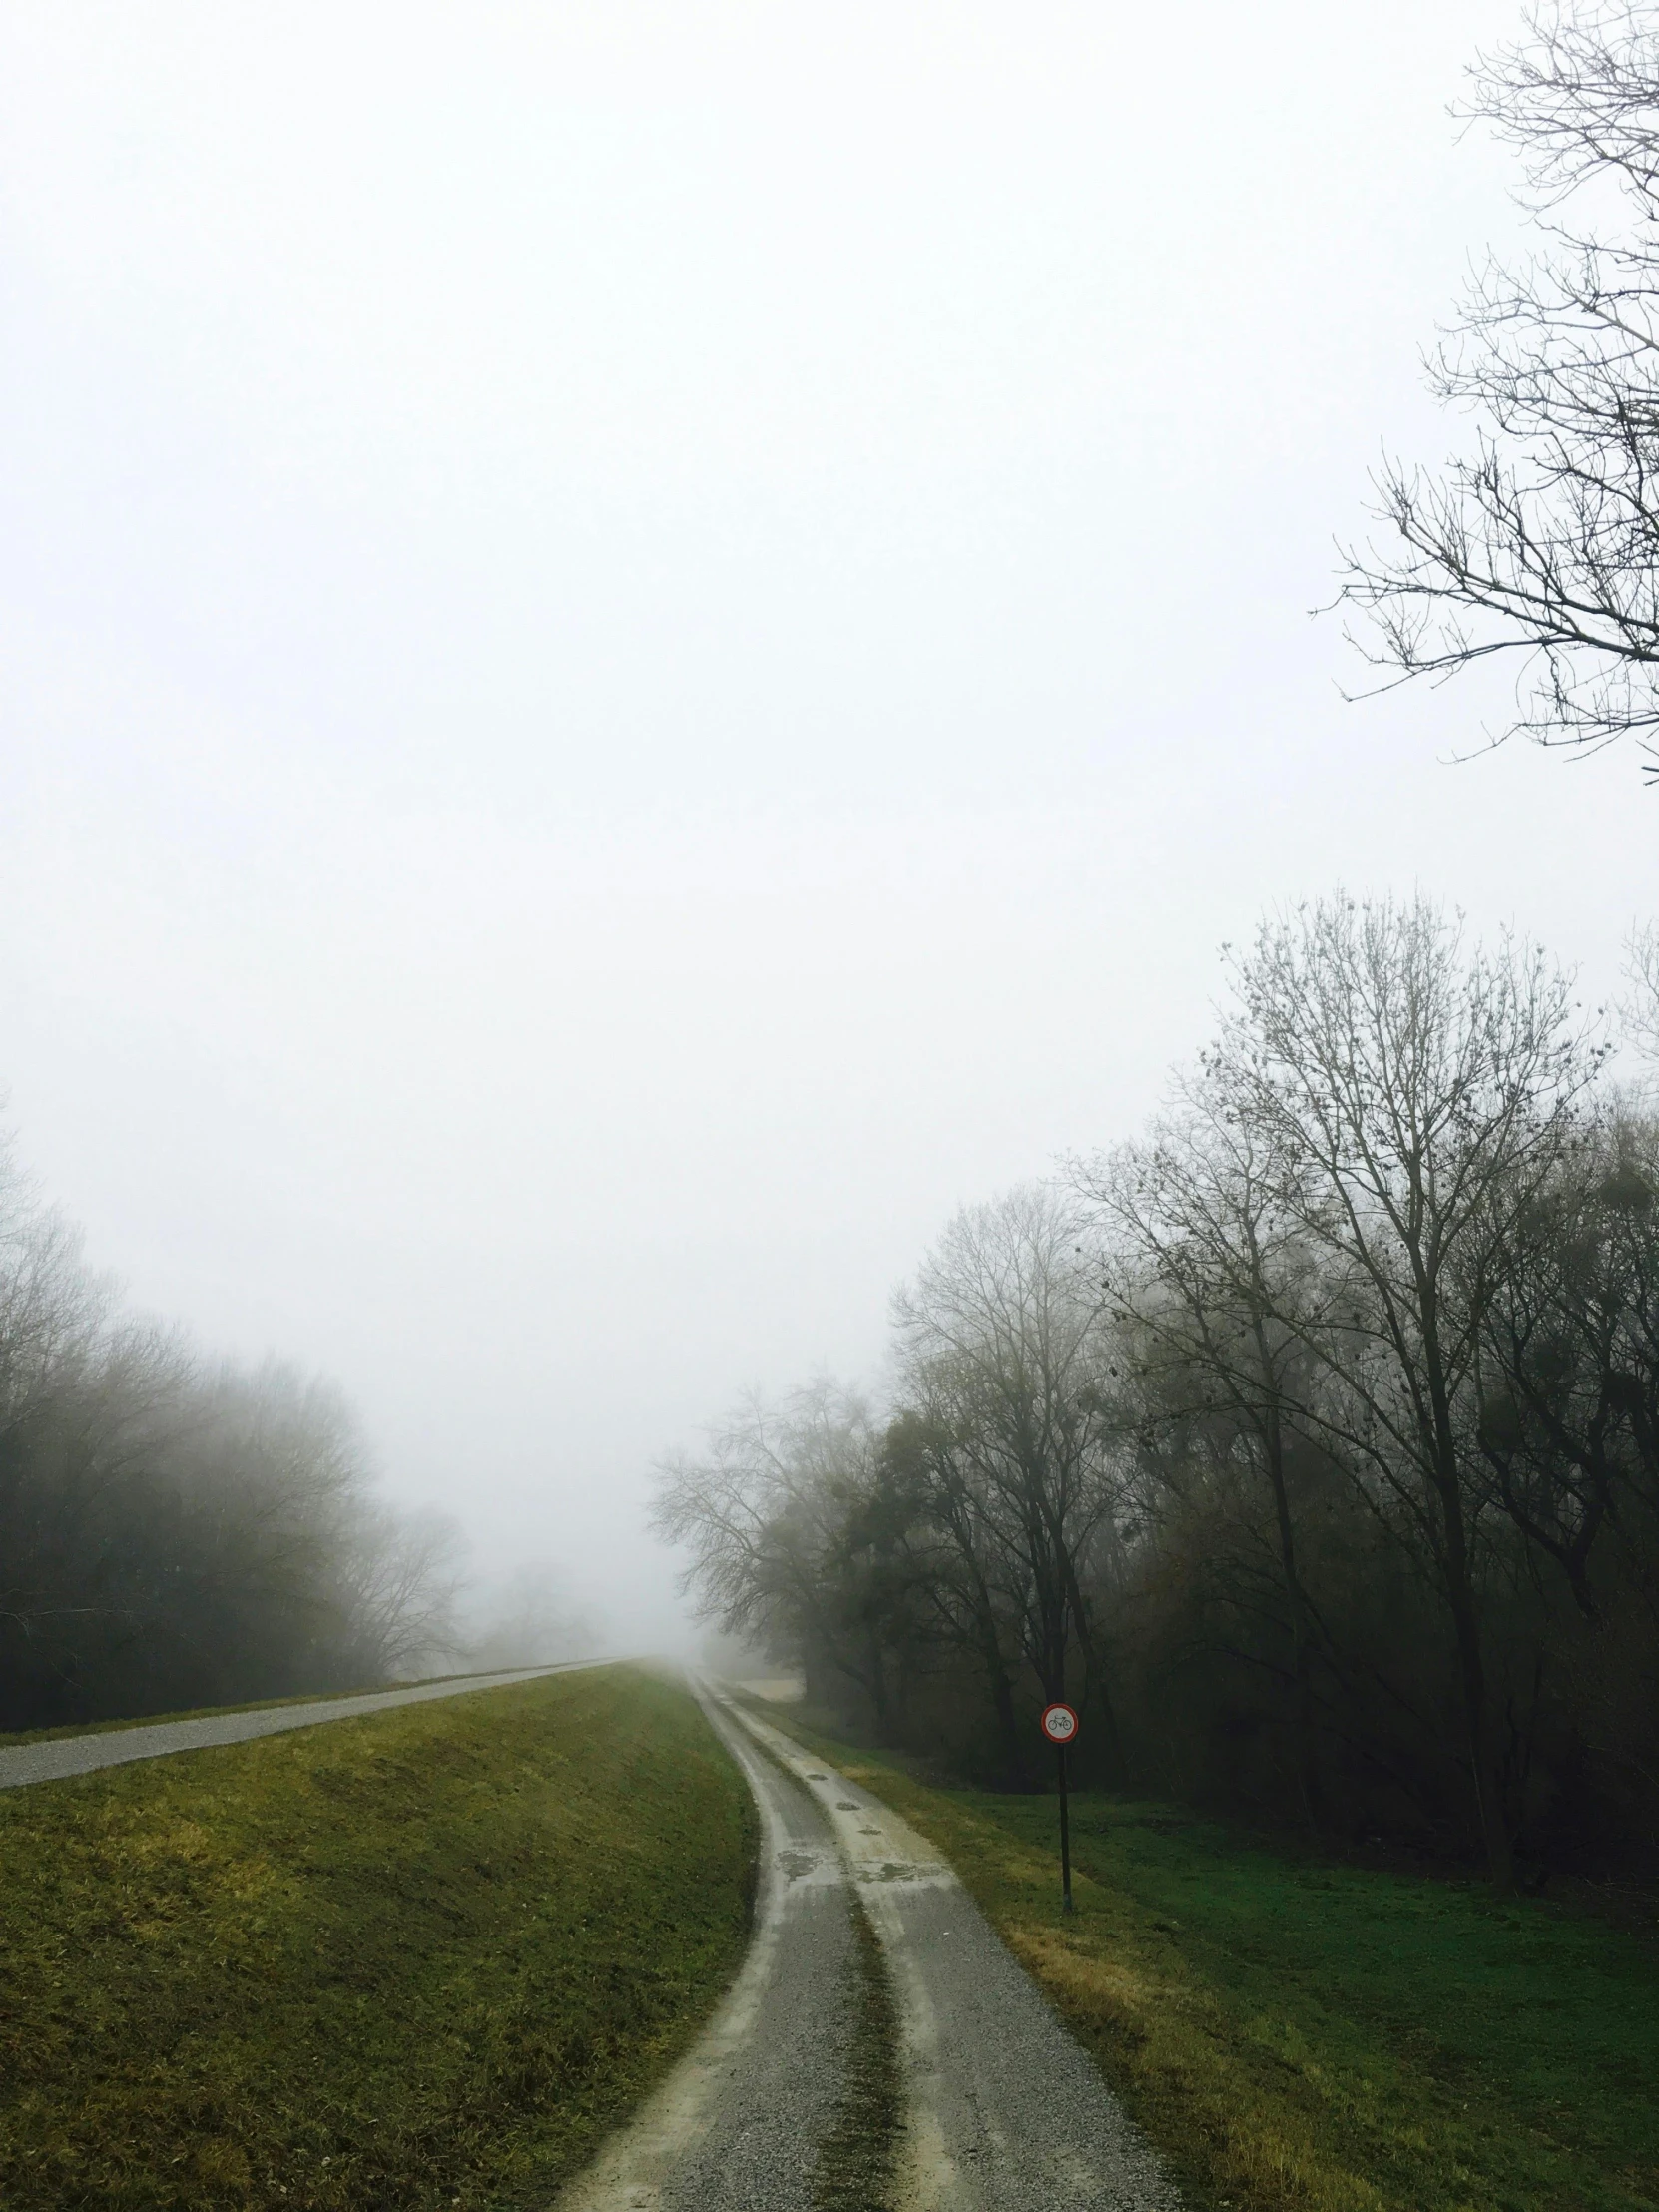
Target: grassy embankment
(1308,2036)
(422,1959)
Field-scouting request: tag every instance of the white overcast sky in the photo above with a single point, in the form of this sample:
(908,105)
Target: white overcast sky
(642,647)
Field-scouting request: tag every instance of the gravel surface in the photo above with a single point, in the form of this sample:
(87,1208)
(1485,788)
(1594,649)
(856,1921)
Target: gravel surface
(778,2100)
(1005,2113)
(736,2126)
(55,1757)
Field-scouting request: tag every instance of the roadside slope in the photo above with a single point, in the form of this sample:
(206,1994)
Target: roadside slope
(414,1957)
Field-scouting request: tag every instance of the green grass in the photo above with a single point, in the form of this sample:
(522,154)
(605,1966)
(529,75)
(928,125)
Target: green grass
(1296,2034)
(414,1959)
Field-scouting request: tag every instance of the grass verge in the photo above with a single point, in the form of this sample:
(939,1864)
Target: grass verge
(1302,2037)
(855,2163)
(420,1959)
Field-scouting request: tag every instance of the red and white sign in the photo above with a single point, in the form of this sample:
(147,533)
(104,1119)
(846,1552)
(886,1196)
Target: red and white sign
(1059,1723)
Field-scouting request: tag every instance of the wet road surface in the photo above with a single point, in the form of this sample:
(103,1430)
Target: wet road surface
(1005,2111)
(736,2126)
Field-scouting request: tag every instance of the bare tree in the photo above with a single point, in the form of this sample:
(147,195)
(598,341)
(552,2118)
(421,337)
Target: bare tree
(1544,543)
(1568,1378)
(769,1514)
(1210,1274)
(965,1592)
(53,1308)
(534,1619)
(1413,1095)
(1002,1344)
(398,1575)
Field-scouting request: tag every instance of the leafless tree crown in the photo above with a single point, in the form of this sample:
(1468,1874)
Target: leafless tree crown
(1541,546)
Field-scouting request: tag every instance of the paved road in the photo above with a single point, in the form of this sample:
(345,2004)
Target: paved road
(1002,2110)
(58,1756)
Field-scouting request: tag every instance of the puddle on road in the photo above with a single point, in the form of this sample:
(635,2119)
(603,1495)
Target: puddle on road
(894,1870)
(795,1863)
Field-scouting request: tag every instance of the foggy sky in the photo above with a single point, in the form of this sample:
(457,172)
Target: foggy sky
(640,648)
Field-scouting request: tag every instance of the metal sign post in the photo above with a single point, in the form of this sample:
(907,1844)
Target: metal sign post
(1059,1725)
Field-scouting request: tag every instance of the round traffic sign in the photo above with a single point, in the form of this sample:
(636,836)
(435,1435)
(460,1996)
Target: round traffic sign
(1059,1723)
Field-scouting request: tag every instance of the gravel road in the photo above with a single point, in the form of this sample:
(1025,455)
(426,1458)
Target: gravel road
(736,2125)
(1003,2112)
(57,1755)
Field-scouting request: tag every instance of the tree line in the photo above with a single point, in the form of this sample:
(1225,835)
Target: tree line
(1309,1443)
(178,1531)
